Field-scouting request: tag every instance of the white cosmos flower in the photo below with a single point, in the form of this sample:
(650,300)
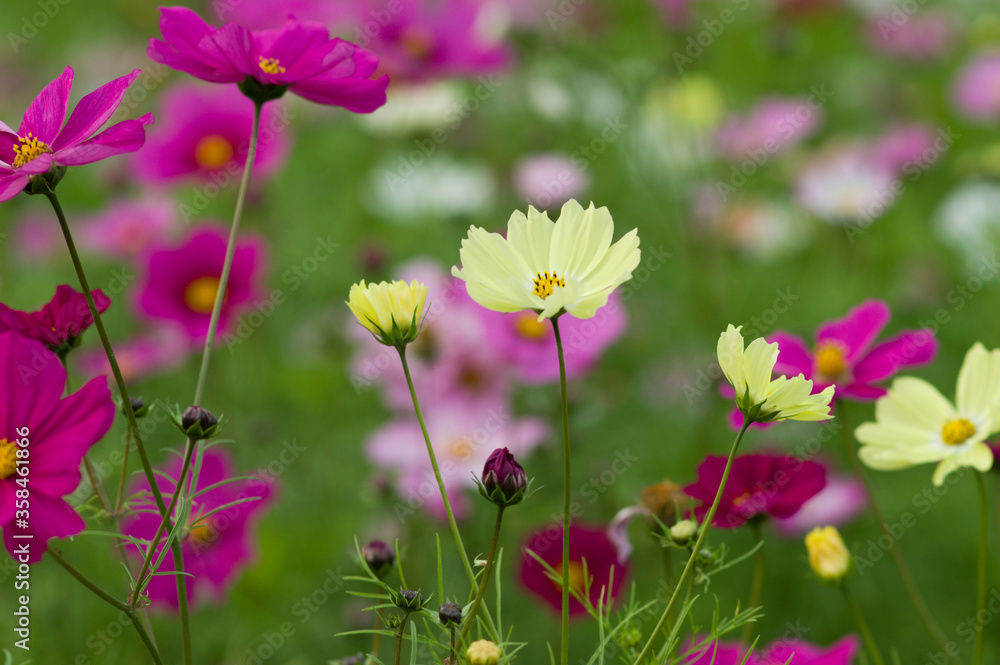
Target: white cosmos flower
(569,265)
(916,424)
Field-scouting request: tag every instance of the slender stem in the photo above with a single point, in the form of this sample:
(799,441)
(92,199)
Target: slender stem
(977,651)
(668,571)
(866,633)
(469,620)
(453,660)
(399,637)
(95,483)
(220,293)
(111,600)
(897,556)
(103,334)
(378,636)
(564,628)
(182,601)
(121,480)
(702,533)
(757,585)
(444,493)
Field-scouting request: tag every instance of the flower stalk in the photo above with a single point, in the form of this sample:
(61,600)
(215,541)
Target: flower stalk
(490,558)
(564,402)
(977,650)
(866,633)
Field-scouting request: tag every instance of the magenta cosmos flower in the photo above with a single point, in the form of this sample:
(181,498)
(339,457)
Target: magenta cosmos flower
(760,485)
(588,544)
(149,353)
(300,57)
(59,323)
(216,547)
(976,91)
(59,430)
(781,652)
(841,500)
(43,141)
(179,282)
(206,130)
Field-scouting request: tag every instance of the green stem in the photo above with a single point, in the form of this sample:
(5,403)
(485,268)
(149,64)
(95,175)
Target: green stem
(399,637)
(490,558)
(121,480)
(702,534)
(668,569)
(111,600)
(220,292)
(444,494)
(758,577)
(897,556)
(564,628)
(866,633)
(377,639)
(977,651)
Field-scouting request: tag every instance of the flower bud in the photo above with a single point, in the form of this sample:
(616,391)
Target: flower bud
(389,311)
(450,613)
(379,557)
(683,532)
(483,652)
(828,556)
(139,407)
(357,659)
(198,423)
(407,600)
(503,481)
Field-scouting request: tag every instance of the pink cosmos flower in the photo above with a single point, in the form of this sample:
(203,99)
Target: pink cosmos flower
(907,148)
(976,91)
(300,57)
(127,227)
(586,543)
(36,238)
(59,323)
(781,652)
(429,40)
(918,37)
(840,501)
(215,547)
(150,353)
(43,141)
(207,131)
(262,14)
(774,124)
(464,434)
(547,181)
(59,430)
(760,485)
(178,283)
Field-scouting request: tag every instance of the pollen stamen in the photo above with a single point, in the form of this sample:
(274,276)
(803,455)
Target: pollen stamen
(958,431)
(545,284)
(28,149)
(8,459)
(271,65)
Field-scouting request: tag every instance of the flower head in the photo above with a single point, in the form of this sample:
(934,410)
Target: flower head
(781,652)
(483,652)
(916,424)
(761,398)
(391,311)
(43,142)
(503,479)
(379,557)
(59,323)
(300,57)
(569,265)
(828,556)
(974,90)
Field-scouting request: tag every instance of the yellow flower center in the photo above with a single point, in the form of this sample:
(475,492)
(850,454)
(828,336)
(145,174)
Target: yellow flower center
(830,359)
(528,326)
(741,499)
(460,448)
(8,459)
(576,577)
(271,65)
(418,41)
(957,431)
(213,152)
(202,533)
(200,294)
(545,284)
(28,148)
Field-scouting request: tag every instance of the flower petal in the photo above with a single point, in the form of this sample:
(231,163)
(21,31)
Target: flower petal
(93,111)
(45,115)
(580,240)
(911,348)
(794,357)
(358,95)
(12,185)
(978,391)
(858,329)
(126,136)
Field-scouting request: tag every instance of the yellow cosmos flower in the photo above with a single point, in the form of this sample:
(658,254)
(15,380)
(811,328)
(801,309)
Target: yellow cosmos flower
(483,652)
(916,424)
(391,311)
(760,397)
(569,265)
(828,556)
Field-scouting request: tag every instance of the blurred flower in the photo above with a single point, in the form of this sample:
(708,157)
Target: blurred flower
(760,485)
(406,190)
(450,614)
(156,351)
(758,396)
(781,652)
(759,228)
(975,90)
(215,548)
(36,238)
(379,557)
(966,220)
(265,14)
(43,141)
(841,500)
(677,124)
(845,353)
(917,37)
(660,501)
(389,311)
(828,556)
(124,228)
(916,424)
(179,282)
(57,431)
(206,133)
(846,185)
(683,532)
(551,267)
(504,480)
(464,434)
(586,545)
(59,323)
(676,13)
(419,107)
(549,180)
(774,124)
(483,652)
(907,149)
(300,57)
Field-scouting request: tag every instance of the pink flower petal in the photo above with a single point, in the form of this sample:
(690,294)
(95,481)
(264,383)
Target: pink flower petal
(12,185)
(126,136)
(794,357)
(354,94)
(858,329)
(45,115)
(93,111)
(908,349)
(50,518)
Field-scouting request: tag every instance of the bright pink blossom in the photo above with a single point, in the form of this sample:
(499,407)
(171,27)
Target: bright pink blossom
(59,430)
(125,228)
(781,652)
(262,14)
(43,141)
(59,323)
(976,91)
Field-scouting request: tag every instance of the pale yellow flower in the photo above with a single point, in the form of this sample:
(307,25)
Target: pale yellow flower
(569,265)
(391,311)
(483,652)
(916,424)
(760,397)
(828,557)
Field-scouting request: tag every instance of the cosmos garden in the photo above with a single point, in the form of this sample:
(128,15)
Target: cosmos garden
(476,331)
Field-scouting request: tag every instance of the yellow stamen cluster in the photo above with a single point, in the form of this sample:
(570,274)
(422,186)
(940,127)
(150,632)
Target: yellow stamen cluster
(202,533)
(200,294)
(461,448)
(577,579)
(28,149)
(830,360)
(958,431)
(271,65)
(545,284)
(213,152)
(529,327)
(8,459)
(418,41)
